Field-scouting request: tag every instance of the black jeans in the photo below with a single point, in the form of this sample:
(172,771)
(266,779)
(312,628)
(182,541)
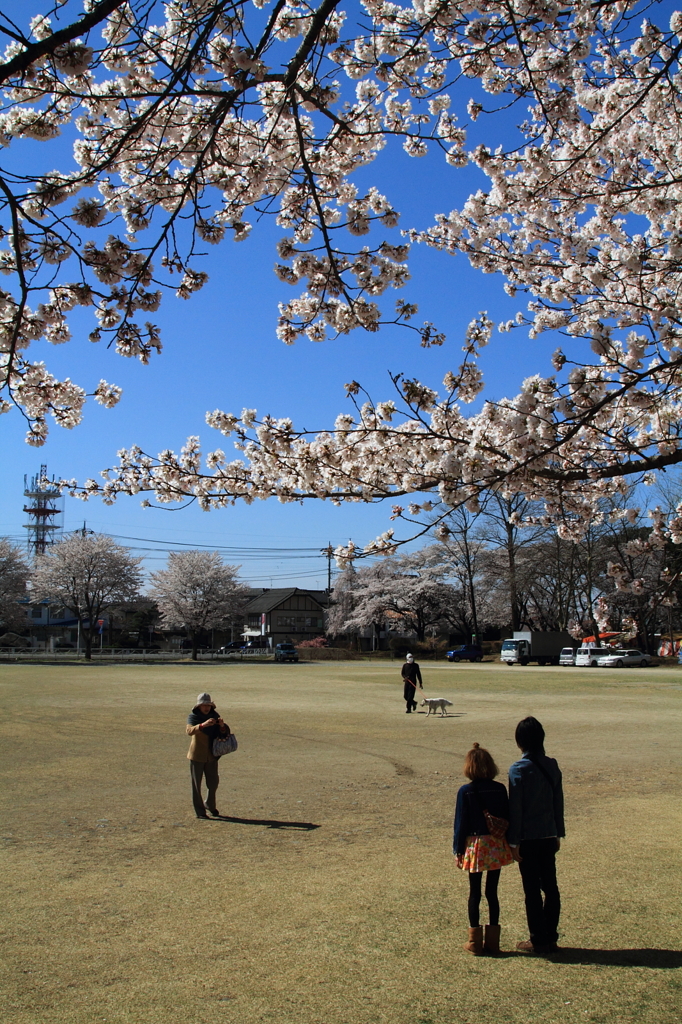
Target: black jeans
(538,874)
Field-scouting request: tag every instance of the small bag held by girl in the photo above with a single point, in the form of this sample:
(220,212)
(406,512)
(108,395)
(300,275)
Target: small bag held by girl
(498,826)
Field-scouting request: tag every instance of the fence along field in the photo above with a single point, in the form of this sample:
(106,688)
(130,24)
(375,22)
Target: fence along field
(329,896)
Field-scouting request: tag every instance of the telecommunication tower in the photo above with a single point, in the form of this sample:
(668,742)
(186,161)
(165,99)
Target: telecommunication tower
(44,510)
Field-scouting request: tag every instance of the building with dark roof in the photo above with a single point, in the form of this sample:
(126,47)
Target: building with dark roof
(285,613)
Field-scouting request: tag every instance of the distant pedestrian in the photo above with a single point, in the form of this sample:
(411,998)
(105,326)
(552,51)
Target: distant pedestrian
(482,805)
(536,827)
(204,724)
(411,676)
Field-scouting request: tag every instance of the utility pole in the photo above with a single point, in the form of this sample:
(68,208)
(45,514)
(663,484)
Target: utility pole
(328,552)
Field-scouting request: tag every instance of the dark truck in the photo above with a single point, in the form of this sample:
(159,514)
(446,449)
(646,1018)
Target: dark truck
(286,652)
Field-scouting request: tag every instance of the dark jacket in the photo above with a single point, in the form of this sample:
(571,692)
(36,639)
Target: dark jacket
(536,803)
(410,670)
(472,799)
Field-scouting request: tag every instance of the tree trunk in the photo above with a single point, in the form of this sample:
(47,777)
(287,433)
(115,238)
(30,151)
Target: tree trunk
(87,637)
(588,574)
(513,594)
(195,643)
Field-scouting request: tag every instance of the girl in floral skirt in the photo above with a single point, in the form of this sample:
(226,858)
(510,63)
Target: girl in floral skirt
(479,844)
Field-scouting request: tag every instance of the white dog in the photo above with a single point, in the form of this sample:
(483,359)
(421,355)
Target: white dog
(434,703)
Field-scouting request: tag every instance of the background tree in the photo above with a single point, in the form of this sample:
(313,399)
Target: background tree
(87,574)
(504,516)
(342,603)
(463,548)
(407,593)
(198,591)
(14,575)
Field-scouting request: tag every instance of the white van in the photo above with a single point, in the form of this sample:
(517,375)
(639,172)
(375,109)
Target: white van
(567,656)
(588,656)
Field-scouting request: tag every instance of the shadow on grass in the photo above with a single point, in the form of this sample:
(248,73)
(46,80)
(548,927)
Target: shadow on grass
(448,714)
(660,959)
(300,826)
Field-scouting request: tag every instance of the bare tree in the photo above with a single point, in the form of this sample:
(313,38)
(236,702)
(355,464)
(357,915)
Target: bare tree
(88,574)
(14,574)
(504,517)
(198,591)
(463,549)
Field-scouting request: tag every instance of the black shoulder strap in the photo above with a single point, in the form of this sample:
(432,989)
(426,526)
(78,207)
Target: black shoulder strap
(543,770)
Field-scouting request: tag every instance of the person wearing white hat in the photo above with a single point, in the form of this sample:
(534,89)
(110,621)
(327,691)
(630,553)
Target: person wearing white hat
(204,724)
(411,676)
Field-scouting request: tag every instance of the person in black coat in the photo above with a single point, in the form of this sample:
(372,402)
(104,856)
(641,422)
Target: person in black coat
(411,676)
(482,809)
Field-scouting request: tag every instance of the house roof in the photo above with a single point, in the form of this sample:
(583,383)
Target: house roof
(267,600)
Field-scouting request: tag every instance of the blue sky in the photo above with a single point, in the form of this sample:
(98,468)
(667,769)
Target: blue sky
(221,351)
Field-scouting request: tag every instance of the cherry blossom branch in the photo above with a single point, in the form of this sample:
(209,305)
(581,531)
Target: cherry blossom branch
(32,52)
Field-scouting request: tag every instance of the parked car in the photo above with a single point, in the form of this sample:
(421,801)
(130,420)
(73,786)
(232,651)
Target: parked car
(567,656)
(621,659)
(588,656)
(234,645)
(286,652)
(466,652)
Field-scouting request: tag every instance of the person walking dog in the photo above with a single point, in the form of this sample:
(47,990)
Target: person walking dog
(479,844)
(204,724)
(536,828)
(411,676)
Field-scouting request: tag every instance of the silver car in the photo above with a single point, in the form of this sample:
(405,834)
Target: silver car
(567,656)
(621,659)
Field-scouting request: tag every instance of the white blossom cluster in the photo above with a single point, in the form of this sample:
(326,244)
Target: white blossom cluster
(188,127)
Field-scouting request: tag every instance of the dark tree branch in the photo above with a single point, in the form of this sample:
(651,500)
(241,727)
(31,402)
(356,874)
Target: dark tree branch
(34,51)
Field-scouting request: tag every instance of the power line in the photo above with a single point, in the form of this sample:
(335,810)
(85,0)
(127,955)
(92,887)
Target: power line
(214,547)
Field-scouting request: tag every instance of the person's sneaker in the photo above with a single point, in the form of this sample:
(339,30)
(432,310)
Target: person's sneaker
(202,815)
(214,811)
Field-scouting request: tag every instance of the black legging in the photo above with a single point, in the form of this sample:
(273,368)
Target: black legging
(475,881)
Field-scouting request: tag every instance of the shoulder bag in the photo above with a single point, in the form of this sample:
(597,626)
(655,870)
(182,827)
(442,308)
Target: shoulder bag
(224,745)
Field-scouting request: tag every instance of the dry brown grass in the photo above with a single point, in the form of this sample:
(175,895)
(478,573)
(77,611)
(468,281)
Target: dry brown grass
(120,906)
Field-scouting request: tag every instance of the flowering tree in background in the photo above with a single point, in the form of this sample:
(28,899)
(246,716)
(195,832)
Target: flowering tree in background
(407,594)
(14,574)
(87,574)
(222,108)
(198,592)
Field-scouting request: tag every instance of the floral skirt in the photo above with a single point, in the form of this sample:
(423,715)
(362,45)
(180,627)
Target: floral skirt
(486,853)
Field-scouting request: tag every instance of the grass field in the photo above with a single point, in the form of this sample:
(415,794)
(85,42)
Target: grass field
(327,894)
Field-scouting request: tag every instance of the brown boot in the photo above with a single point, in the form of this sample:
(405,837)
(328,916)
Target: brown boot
(475,943)
(492,938)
